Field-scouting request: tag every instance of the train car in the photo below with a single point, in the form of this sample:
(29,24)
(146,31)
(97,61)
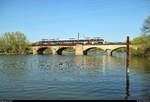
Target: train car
(96,41)
(43,42)
(72,41)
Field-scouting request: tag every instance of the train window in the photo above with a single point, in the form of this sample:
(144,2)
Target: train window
(91,40)
(75,41)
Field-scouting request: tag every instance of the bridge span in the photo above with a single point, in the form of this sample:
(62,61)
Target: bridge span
(80,49)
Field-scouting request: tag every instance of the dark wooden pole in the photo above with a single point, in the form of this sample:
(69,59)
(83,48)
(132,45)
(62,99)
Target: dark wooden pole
(127,63)
(127,70)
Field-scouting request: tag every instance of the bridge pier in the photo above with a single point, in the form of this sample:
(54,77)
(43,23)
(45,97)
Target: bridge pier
(54,51)
(108,52)
(79,49)
(34,49)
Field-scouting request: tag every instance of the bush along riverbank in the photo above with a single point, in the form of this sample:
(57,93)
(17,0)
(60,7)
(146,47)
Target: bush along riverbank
(143,46)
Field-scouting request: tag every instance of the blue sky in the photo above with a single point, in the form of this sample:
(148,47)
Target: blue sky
(37,19)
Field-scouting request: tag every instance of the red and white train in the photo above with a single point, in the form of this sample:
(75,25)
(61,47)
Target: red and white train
(72,41)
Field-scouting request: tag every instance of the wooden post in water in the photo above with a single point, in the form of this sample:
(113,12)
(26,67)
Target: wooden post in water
(127,57)
(127,70)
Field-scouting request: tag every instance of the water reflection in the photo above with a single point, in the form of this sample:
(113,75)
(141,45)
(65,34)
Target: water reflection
(140,76)
(13,66)
(127,78)
(78,64)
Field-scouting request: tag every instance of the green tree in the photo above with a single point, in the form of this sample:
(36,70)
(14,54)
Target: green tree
(14,42)
(142,43)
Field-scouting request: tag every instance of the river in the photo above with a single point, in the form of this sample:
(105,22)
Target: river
(91,77)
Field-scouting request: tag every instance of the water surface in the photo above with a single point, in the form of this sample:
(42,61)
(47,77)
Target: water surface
(91,77)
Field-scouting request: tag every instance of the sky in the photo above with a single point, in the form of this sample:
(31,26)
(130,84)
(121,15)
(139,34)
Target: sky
(50,19)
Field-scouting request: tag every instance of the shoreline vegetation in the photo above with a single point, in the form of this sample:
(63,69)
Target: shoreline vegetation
(143,41)
(16,43)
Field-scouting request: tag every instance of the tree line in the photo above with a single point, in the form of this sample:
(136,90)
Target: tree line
(14,43)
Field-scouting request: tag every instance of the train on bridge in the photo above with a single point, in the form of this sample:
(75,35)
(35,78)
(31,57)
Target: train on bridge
(96,40)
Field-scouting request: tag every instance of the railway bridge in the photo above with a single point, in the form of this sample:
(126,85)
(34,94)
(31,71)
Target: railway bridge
(80,49)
